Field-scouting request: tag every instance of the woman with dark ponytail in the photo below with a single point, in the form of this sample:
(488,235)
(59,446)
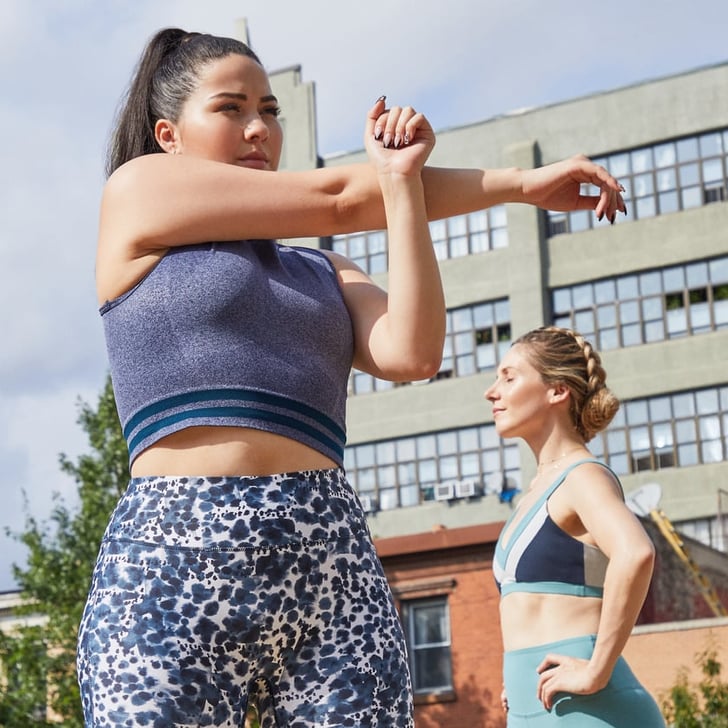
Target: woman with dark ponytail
(238,566)
(573,564)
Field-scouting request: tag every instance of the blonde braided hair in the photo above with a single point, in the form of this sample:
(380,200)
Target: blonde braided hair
(564,356)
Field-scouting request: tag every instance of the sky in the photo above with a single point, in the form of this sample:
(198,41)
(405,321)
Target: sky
(65,63)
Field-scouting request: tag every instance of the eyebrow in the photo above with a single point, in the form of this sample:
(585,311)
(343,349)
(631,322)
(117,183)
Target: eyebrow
(243,97)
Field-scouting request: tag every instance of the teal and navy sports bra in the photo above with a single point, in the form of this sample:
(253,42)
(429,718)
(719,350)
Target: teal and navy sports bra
(542,558)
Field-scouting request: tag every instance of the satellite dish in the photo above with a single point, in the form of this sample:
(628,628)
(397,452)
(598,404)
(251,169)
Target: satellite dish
(644,499)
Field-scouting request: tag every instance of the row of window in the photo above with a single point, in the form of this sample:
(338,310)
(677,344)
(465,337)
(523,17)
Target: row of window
(675,430)
(454,237)
(640,308)
(659,179)
(476,338)
(628,310)
(433,466)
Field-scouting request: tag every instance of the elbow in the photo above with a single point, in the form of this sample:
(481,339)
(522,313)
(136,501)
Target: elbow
(419,367)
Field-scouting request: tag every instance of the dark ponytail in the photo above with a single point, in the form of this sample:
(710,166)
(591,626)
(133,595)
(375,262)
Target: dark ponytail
(167,73)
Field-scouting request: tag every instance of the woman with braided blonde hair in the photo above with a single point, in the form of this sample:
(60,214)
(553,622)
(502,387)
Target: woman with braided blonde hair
(573,564)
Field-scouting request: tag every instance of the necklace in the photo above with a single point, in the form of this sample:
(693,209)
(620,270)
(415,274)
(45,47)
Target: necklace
(554,462)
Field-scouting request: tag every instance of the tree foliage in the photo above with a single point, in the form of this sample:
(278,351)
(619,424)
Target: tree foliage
(701,706)
(38,660)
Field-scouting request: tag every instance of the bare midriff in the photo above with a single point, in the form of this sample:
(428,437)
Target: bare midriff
(227,451)
(530,619)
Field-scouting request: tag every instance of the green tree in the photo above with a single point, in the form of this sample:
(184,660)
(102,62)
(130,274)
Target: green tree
(701,706)
(38,661)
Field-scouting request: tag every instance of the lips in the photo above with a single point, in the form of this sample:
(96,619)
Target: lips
(254,160)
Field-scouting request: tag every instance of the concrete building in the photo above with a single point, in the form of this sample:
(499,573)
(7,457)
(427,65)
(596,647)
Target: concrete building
(650,292)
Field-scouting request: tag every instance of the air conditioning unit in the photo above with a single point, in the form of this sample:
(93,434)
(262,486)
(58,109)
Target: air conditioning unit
(466,489)
(444,491)
(368,504)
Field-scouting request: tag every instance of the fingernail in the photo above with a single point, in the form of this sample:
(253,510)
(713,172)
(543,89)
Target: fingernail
(613,218)
(381,98)
(397,141)
(625,208)
(406,139)
(600,217)
(378,133)
(387,140)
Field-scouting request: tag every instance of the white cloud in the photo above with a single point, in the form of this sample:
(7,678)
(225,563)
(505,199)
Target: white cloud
(63,67)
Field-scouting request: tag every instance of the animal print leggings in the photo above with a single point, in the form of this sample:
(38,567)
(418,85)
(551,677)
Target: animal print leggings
(209,592)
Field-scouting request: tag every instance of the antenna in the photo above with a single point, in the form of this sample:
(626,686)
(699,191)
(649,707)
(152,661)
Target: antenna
(643,500)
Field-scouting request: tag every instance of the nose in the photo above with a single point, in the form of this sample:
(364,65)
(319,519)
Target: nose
(256,128)
(490,393)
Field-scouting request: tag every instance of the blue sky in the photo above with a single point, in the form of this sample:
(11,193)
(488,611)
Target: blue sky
(64,64)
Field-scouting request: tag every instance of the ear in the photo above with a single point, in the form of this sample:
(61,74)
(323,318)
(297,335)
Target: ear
(559,392)
(165,132)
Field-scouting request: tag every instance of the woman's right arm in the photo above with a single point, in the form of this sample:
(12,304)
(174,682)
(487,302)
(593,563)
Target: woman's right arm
(162,200)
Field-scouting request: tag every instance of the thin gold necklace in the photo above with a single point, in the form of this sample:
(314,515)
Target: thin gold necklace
(555,461)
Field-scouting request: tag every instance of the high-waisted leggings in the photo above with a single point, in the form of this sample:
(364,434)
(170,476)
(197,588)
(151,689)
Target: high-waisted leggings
(209,592)
(623,703)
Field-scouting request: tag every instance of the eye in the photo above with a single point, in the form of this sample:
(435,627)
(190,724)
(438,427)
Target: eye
(231,106)
(274,111)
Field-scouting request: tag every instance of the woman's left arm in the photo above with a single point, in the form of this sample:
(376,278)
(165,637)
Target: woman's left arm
(398,333)
(619,535)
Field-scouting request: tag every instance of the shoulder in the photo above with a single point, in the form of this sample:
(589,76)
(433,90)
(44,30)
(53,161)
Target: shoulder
(592,479)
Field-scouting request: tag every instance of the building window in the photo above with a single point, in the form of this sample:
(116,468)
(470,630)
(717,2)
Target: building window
(712,532)
(639,308)
(427,630)
(669,176)
(447,465)
(476,338)
(675,430)
(453,237)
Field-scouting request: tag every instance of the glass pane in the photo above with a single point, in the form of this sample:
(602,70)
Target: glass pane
(674,278)
(561,300)
(687,149)
(646,207)
(713,170)
(619,165)
(707,401)
(583,296)
(652,308)
(697,275)
(685,431)
(641,160)
(668,202)
(432,669)
(605,291)
(689,175)
(692,197)
(462,319)
(631,335)
(683,405)
(660,409)
(608,339)
(687,455)
(409,495)
(483,316)
(629,312)
(406,449)
(406,473)
(637,412)
(498,218)
(458,247)
(665,155)
(606,316)
(662,435)
(666,180)
(711,145)
(718,270)
(650,283)
(627,287)
(430,624)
